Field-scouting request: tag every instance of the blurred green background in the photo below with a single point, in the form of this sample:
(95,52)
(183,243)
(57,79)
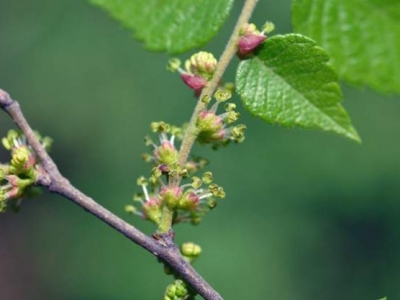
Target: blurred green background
(308,215)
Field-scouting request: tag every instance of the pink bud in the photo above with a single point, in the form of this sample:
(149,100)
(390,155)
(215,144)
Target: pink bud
(248,43)
(189,201)
(195,82)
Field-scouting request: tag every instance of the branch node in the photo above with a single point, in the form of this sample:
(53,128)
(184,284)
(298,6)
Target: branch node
(5,99)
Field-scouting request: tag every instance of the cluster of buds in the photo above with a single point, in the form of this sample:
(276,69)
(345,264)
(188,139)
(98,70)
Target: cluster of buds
(164,154)
(22,172)
(190,202)
(177,291)
(250,38)
(214,128)
(199,69)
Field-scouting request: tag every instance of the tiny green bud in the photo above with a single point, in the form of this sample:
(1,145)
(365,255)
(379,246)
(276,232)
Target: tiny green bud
(170,292)
(181,290)
(6,143)
(195,219)
(189,201)
(130,209)
(137,197)
(207,177)
(152,210)
(147,157)
(248,28)
(211,203)
(142,181)
(268,27)
(148,141)
(12,135)
(166,153)
(190,249)
(47,142)
(209,121)
(171,196)
(173,64)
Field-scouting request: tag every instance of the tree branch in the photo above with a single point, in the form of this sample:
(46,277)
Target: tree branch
(165,249)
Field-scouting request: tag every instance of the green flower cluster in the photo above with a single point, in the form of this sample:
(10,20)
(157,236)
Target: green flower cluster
(177,291)
(21,173)
(189,201)
(215,128)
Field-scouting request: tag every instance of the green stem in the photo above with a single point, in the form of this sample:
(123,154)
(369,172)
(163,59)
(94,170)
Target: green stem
(166,220)
(223,62)
(191,132)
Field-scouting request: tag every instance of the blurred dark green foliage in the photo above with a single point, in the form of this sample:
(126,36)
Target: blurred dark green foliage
(308,214)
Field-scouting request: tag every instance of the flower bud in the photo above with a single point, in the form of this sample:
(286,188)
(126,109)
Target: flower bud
(268,27)
(189,201)
(195,82)
(166,153)
(181,290)
(130,209)
(190,250)
(201,63)
(250,39)
(22,159)
(8,142)
(152,210)
(209,121)
(248,43)
(171,196)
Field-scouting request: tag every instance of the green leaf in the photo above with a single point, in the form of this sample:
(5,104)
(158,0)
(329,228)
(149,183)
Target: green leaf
(173,26)
(288,82)
(362,37)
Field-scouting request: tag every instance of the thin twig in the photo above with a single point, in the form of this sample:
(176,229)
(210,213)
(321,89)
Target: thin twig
(191,132)
(223,62)
(165,249)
